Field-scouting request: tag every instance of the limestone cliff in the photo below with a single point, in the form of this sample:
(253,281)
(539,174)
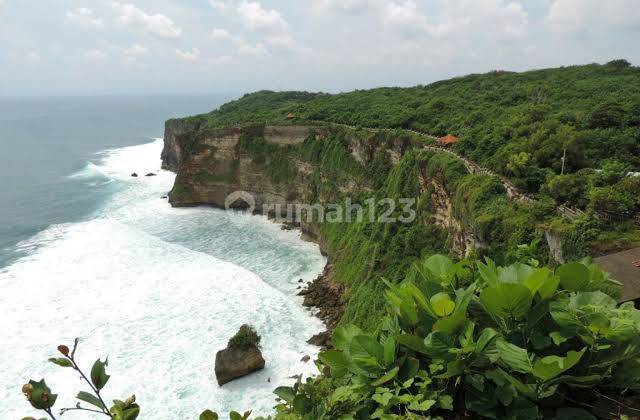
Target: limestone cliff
(211,164)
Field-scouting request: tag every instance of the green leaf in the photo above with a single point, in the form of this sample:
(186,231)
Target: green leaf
(573,276)
(90,398)
(285,393)
(383,398)
(336,360)
(438,344)
(421,406)
(488,272)
(486,336)
(99,377)
(386,377)
(507,300)
(549,367)
(535,281)
(513,356)
(549,287)
(439,266)
(125,410)
(365,346)
(442,304)
(449,324)
(60,361)
(342,393)
(389,347)
(302,404)
(40,396)
(559,337)
(413,342)
(342,336)
(515,273)
(234,415)
(208,415)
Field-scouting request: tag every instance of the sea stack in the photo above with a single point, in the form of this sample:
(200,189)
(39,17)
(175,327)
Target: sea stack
(241,357)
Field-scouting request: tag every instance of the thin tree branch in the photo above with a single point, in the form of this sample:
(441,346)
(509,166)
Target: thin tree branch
(64,410)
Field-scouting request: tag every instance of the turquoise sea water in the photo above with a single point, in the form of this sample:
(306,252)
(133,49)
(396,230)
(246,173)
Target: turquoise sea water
(86,250)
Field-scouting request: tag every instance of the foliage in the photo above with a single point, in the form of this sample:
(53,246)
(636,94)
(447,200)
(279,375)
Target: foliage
(518,342)
(41,397)
(559,132)
(245,337)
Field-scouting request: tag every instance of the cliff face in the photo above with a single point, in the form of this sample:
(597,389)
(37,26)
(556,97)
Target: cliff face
(278,166)
(177,134)
(214,165)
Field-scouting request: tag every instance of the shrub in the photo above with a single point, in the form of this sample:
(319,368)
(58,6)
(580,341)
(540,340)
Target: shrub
(519,342)
(245,337)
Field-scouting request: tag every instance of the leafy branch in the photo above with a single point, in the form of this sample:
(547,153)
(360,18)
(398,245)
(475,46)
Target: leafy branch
(40,396)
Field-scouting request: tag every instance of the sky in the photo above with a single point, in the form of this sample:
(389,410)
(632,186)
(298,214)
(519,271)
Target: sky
(73,47)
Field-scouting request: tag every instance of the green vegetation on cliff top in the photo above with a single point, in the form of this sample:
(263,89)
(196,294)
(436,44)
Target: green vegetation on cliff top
(517,124)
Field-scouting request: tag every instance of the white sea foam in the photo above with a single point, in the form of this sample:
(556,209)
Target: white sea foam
(147,285)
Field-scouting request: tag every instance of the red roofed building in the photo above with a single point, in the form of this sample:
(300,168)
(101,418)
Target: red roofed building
(448,139)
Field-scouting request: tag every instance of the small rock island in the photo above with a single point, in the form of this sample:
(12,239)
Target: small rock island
(241,357)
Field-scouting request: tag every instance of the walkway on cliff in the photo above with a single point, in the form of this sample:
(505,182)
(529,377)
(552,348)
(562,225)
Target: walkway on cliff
(512,191)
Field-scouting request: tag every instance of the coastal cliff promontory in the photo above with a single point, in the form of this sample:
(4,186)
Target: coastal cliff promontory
(281,166)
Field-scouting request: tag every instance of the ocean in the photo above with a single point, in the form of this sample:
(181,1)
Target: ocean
(88,251)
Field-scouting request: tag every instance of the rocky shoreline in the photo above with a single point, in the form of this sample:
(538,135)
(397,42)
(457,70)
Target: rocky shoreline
(328,298)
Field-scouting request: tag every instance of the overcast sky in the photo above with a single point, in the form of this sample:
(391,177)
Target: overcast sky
(70,47)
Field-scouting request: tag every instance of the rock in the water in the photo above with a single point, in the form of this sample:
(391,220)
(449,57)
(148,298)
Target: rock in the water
(150,174)
(233,363)
(305,358)
(135,175)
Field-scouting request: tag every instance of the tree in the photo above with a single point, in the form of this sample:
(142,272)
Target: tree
(607,115)
(620,63)
(612,172)
(610,200)
(569,189)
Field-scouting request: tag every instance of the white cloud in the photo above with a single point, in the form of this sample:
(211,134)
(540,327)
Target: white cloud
(157,24)
(135,51)
(404,16)
(220,34)
(193,55)
(500,20)
(95,55)
(344,6)
(219,4)
(83,17)
(223,59)
(257,50)
(255,17)
(571,16)
(242,47)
